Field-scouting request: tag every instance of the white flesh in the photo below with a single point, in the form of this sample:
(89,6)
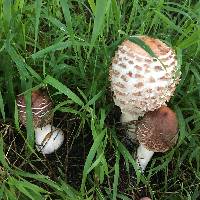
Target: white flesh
(143,157)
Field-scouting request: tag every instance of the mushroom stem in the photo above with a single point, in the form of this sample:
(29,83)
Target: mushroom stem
(130,118)
(143,157)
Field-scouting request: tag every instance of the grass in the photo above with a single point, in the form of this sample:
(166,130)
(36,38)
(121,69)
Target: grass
(66,47)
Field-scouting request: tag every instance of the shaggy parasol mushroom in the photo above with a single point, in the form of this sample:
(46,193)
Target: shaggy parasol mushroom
(48,138)
(140,82)
(156,132)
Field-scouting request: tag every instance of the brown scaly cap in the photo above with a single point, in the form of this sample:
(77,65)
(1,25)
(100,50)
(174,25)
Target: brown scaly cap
(41,107)
(157,131)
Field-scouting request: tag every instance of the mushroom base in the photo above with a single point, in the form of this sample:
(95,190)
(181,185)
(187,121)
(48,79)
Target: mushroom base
(48,139)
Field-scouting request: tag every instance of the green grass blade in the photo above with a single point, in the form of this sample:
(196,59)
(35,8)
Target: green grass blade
(63,103)
(122,149)
(179,11)
(10,195)
(67,15)
(132,17)
(102,119)
(57,46)
(7,11)
(116,13)
(2,190)
(69,110)
(52,48)
(19,4)
(95,163)
(70,191)
(182,125)
(2,155)
(56,23)
(116,176)
(20,186)
(19,63)
(16,117)
(94,99)
(98,21)
(90,157)
(191,40)
(29,120)
(38,177)
(9,73)
(2,107)
(24,183)
(63,89)
(38,5)
(92,5)
(22,66)
(169,22)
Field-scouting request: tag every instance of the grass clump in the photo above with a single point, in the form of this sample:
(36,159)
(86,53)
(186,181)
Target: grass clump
(66,47)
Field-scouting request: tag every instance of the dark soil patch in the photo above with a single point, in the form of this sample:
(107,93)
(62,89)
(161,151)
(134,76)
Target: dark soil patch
(66,163)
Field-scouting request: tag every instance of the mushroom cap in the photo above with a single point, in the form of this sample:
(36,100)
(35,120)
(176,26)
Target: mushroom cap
(41,107)
(158,130)
(140,82)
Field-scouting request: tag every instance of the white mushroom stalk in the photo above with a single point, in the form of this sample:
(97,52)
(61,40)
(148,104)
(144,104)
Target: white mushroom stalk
(140,82)
(48,138)
(156,132)
(143,157)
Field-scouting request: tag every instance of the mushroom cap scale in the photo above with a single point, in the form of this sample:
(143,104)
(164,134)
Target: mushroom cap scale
(140,82)
(158,130)
(41,107)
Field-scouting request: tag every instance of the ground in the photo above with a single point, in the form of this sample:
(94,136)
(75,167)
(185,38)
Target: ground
(66,48)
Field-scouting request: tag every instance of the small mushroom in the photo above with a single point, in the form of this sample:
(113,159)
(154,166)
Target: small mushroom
(48,138)
(156,132)
(140,82)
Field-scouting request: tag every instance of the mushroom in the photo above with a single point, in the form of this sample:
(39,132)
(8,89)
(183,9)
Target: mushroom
(48,138)
(140,82)
(156,132)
